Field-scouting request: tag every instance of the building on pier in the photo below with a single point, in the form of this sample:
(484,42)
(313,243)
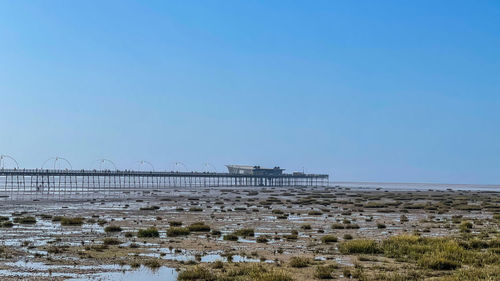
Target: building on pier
(254,170)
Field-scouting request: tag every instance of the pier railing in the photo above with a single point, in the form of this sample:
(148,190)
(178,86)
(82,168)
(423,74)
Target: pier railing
(42,183)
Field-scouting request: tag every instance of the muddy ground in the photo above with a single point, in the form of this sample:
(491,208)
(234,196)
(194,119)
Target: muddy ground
(286,222)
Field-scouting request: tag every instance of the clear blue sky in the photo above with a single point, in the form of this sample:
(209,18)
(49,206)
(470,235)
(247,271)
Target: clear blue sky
(362,90)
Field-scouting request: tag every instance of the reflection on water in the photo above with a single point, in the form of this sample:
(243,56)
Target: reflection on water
(112,272)
(142,274)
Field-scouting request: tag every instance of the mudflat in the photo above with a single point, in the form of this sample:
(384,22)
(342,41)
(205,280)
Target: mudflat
(256,233)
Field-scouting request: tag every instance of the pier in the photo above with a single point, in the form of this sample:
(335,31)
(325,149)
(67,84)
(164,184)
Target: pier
(54,184)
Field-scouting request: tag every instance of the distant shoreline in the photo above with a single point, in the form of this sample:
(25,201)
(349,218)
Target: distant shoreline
(418,186)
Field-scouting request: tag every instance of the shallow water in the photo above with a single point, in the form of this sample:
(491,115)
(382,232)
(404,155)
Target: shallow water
(168,254)
(31,265)
(142,274)
(113,272)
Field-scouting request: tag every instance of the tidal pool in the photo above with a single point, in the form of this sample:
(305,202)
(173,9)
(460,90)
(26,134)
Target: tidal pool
(141,274)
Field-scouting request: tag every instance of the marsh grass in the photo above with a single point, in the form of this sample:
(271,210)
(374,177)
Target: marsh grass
(347,236)
(466,226)
(325,271)
(438,253)
(149,208)
(243,272)
(177,231)
(329,239)
(291,237)
(67,221)
(244,232)
(230,237)
(175,223)
(152,263)
(112,228)
(111,241)
(262,239)
(150,232)
(486,273)
(196,273)
(351,226)
(360,246)
(25,220)
(306,227)
(338,226)
(6,224)
(299,262)
(441,261)
(199,227)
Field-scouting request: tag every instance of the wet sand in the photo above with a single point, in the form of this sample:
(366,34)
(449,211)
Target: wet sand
(292,221)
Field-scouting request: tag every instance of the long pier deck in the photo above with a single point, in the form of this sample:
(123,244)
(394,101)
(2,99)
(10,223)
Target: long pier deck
(41,183)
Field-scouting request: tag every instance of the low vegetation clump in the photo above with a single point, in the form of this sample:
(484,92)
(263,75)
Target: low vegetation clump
(25,220)
(195,209)
(111,241)
(177,231)
(196,273)
(438,262)
(244,232)
(347,236)
(338,226)
(306,227)
(199,227)
(112,228)
(329,239)
(486,273)
(466,226)
(438,253)
(325,271)
(299,262)
(360,246)
(150,232)
(66,221)
(275,275)
(62,249)
(175,223)
(152,263)
(262,239)
(6,224)
(243,272)
(230,237)
(351,226)
(149,208)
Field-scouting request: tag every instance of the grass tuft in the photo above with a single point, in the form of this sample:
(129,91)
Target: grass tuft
(150,232)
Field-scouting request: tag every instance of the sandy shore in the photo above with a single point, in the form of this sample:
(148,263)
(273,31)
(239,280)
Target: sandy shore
(286,223)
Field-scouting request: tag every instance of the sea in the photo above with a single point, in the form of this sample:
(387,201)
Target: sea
(418,186)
